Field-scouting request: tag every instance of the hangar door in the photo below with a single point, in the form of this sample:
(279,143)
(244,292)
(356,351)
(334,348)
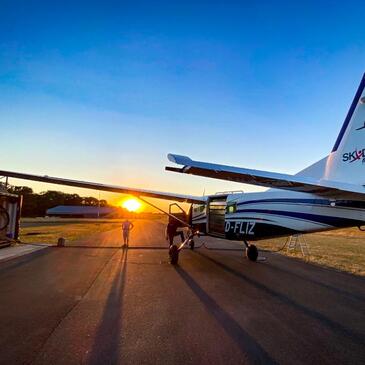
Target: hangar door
(216,214)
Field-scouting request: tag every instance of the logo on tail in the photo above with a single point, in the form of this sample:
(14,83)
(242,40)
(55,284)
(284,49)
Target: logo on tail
(353,156)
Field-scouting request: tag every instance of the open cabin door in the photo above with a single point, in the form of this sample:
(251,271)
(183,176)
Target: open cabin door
(176,211)
(216,215)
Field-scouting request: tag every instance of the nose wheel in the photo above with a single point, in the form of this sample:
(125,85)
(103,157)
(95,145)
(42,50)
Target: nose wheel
(174,249)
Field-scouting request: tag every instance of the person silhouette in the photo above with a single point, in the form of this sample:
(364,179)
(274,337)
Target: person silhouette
(127,226)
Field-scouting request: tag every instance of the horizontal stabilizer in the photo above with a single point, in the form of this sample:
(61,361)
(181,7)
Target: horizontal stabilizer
(104,187)
(321,187)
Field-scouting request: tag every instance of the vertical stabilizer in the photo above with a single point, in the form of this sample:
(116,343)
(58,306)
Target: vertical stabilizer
(346,162)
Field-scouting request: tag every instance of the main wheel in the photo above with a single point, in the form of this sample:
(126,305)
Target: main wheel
(252,252)
(192,244)
(174,254)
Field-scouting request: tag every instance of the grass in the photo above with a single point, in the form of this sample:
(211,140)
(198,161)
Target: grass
(342,249)
(40,231)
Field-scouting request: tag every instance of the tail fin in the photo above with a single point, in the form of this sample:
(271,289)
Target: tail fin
(346,162)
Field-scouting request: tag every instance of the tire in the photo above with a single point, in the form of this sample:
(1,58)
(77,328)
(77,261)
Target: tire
(252,252)
(174,255)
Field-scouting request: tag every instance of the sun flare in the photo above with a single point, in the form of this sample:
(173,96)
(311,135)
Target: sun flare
(132,205)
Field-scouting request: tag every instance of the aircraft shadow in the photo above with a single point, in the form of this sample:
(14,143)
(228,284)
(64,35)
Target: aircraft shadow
(337,290)
(332,325)
(249,347)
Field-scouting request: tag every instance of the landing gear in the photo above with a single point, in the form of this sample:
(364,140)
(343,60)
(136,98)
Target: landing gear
(174,249)
(251,251)
(174,254)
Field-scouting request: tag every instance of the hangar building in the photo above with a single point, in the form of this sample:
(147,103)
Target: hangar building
(81,211)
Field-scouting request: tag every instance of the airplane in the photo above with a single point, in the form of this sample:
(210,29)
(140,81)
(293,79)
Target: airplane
(327,195)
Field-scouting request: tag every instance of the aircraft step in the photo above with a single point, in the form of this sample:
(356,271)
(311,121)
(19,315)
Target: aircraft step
(298,241)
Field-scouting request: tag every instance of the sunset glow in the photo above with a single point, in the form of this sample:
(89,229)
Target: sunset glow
(131,204)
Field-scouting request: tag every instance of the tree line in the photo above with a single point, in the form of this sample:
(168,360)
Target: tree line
(36,205)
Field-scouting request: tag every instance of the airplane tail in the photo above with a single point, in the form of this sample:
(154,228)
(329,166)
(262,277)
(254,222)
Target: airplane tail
(346,162)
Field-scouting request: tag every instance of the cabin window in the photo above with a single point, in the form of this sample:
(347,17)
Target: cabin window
(199,209)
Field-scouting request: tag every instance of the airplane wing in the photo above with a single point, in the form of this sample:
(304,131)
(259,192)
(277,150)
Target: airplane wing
(322,187)
(104,187)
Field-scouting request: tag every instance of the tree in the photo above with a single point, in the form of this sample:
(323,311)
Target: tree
(90,201)
(36,205)
(73,199)
(103,203)
(20,190)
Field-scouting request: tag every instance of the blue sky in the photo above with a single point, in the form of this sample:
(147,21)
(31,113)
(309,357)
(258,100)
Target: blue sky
(102,91)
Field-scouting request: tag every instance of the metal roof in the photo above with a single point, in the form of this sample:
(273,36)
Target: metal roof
(80,210)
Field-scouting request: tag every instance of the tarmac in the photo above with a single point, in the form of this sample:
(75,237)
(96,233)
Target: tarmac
(17,250)
(95,303)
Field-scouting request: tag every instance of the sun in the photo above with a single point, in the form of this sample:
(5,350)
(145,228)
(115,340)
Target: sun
(131,204)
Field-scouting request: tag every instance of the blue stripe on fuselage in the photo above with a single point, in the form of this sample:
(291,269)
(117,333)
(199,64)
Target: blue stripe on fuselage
(332,221)
(324,202)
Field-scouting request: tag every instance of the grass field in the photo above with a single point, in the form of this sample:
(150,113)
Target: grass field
(41,231)
(339,249)
(342,249)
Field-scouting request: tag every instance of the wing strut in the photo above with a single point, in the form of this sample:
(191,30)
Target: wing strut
(168,214)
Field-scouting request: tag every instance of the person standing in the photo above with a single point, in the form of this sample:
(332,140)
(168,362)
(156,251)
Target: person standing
(127,226)
(171,232)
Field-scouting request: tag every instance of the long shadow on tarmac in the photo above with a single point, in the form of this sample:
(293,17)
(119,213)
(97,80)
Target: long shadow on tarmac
(352,296)
(249,347)
(105,349)
(332,325)
(337,290)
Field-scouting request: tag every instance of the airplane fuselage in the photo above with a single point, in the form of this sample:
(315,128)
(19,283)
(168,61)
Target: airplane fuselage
(275,213)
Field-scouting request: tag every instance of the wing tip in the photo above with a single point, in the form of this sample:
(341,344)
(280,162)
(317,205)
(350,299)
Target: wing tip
(179,159)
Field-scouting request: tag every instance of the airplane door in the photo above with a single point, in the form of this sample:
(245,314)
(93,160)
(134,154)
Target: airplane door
(216,216)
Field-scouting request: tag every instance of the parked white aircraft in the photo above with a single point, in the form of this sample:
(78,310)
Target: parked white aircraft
(327,195)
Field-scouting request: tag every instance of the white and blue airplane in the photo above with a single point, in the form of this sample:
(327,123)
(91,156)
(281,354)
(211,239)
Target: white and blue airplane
(327,195)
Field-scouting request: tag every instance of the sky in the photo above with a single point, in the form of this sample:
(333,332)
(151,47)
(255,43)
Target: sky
(103,90)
